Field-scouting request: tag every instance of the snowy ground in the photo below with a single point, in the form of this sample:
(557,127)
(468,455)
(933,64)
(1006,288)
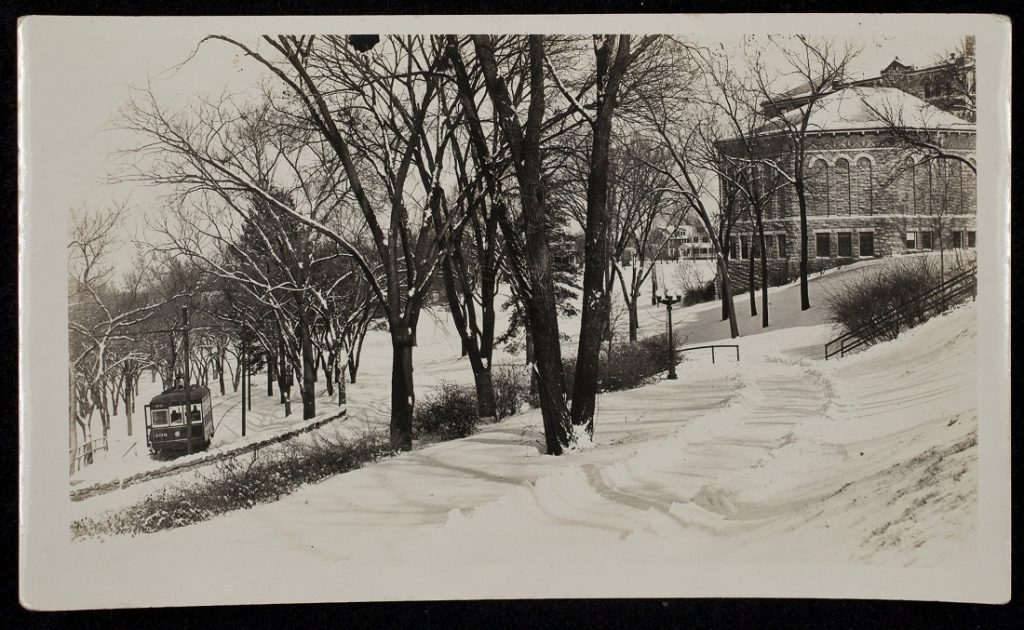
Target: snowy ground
(779,458)
(437,358)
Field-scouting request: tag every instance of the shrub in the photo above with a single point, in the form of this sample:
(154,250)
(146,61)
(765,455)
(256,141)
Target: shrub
(892,285)
(696,294)
(511,388)
(448,412)
(239,482)
(632,365)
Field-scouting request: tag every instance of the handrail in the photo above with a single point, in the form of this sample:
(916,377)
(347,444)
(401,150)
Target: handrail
(85,451)
(939,296)
(713,346)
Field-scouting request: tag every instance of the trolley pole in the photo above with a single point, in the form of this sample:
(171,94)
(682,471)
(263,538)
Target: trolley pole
(188,391)
(668,301)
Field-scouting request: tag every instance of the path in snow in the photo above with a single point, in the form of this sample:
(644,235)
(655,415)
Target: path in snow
(774,459)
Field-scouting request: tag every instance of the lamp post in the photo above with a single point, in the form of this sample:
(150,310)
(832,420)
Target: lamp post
(668,301)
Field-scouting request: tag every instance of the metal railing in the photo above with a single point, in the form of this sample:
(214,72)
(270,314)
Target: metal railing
(83,455)
(713,349)
(911,312)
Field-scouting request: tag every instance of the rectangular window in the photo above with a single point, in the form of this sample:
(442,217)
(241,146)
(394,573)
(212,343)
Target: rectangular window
(782,245)
(734,247)
(845,244)
(755,247)
(911,240)
(867,243)
(958,240)
(159,417)
(970,239)
(821,245)
(175,417)
(744,246)
(926,240)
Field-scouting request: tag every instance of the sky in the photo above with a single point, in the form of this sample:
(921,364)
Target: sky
(77,73)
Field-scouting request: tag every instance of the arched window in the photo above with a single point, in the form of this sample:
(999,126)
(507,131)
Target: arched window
(932,188)
(843,203)
(905,189)
(958,176)
(865,187)
(820,187)
(921,188)
(783,200)
(927,88)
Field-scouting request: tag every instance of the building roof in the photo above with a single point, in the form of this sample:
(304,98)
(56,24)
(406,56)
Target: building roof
(868,108)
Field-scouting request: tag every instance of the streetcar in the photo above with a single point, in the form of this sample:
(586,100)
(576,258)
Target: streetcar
(165,425)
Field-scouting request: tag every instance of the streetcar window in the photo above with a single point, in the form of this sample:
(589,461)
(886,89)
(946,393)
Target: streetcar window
(175,417)
(194,415)
(159,417)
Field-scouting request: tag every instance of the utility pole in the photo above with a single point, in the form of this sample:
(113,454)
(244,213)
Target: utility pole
(188,391)
(248,382)
(668,301)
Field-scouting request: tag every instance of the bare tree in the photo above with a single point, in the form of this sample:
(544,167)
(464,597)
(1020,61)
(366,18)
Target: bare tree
(674,121)
(369,114)
(101,317)
(529,262)
(735,153)
(816,66)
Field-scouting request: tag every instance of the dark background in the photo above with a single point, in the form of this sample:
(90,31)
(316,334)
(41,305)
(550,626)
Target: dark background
(631,614)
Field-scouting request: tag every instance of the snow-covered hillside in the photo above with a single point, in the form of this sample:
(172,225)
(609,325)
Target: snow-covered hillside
(777,458)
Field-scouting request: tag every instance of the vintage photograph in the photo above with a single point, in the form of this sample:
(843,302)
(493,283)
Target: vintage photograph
(713,306)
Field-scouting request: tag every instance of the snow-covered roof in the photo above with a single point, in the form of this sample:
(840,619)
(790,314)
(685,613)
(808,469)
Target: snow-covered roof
(857,108)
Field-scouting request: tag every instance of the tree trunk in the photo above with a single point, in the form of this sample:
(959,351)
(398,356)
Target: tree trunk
(220,370)
(128,403)
(328,362)
(734,330)
(270,375)
(486,405)
(805,296)
(750,278)
(634,316)
(308,369)
(115,395)
(530,360)
(402,393)
(764,270)
(539,293)
(654,283)
(339,373)
(282,372)
(596,301)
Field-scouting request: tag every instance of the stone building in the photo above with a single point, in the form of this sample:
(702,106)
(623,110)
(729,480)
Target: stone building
(948,84)
(869,193)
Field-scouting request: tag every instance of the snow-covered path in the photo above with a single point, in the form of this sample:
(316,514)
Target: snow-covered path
(775,458)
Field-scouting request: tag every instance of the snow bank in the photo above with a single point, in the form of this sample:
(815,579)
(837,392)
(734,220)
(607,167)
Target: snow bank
(778,458)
